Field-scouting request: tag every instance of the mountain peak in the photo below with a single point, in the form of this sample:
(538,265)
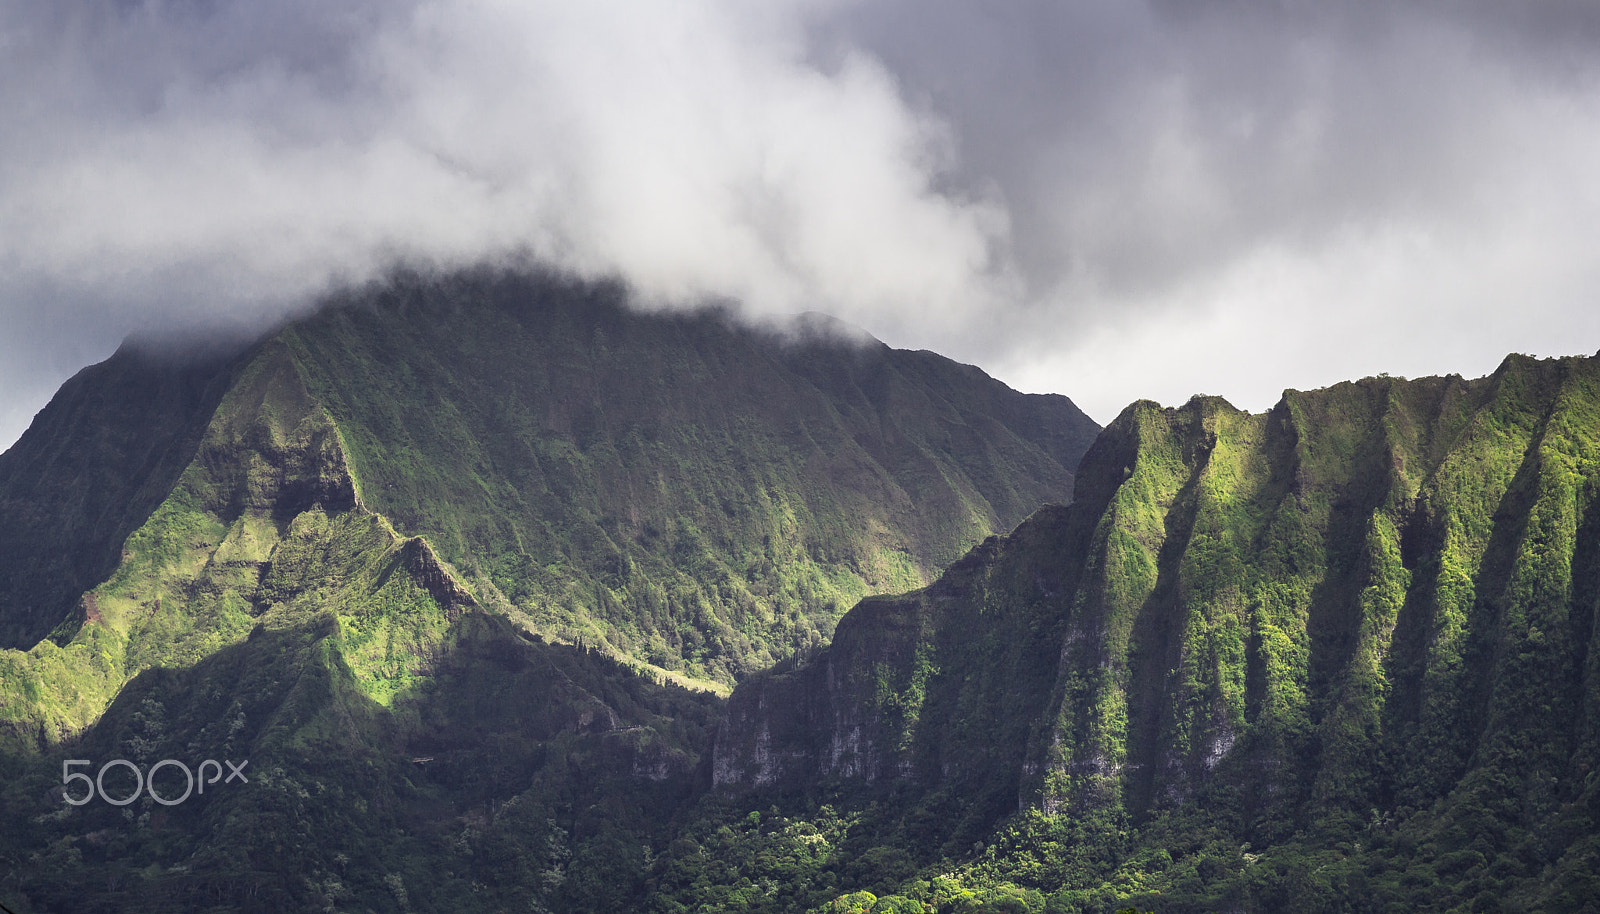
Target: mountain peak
(676,487)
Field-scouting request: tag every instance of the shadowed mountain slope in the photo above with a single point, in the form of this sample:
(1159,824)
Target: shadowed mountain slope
(95,462)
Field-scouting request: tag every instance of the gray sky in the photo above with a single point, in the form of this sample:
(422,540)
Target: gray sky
(1104,198)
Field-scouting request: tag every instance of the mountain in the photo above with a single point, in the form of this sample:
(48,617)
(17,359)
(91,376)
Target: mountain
(437,562)
(1338,656)
(678,489)
(453,568)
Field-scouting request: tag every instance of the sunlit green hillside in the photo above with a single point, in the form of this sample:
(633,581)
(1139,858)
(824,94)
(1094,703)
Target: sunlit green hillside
(1338,656)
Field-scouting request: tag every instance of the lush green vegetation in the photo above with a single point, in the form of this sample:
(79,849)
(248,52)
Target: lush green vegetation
(690,495)
(441,560)
(1333,657)
(700,496)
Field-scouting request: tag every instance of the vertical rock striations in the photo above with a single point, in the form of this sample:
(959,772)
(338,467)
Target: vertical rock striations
(1375,599)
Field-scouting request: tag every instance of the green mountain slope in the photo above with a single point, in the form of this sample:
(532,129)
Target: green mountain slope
(388,725)
(513,775)
(704,497)
(347,540)
(696,495)
(1354,635)
(438,560)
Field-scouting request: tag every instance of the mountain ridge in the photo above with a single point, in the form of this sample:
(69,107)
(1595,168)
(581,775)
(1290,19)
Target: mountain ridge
(625,520)
(1375,602)
(1327,657)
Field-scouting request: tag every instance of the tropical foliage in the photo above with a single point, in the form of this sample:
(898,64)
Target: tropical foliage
(461,570)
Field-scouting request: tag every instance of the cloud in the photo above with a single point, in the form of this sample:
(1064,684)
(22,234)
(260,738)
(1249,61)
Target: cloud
(181,164)
(1240,197)
(687,145)
(1107,199)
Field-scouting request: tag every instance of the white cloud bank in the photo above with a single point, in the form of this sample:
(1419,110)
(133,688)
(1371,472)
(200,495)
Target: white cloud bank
(1107,199)
(190,164)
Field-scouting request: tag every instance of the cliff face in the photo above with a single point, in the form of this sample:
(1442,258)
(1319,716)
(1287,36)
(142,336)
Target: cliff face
(941,687)
(1373,600)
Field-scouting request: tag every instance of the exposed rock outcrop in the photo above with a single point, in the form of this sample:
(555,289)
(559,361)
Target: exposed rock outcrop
(431,575)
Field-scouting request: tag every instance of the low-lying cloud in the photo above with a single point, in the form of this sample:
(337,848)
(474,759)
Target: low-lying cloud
(1108,199)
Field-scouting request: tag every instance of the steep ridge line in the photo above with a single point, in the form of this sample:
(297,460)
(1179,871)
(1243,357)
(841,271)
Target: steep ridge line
(1364,603)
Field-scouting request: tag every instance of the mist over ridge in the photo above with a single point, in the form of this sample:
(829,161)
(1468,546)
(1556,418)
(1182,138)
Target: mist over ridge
(1108,200)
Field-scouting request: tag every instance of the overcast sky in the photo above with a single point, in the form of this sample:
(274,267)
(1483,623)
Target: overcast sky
(1104,198)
